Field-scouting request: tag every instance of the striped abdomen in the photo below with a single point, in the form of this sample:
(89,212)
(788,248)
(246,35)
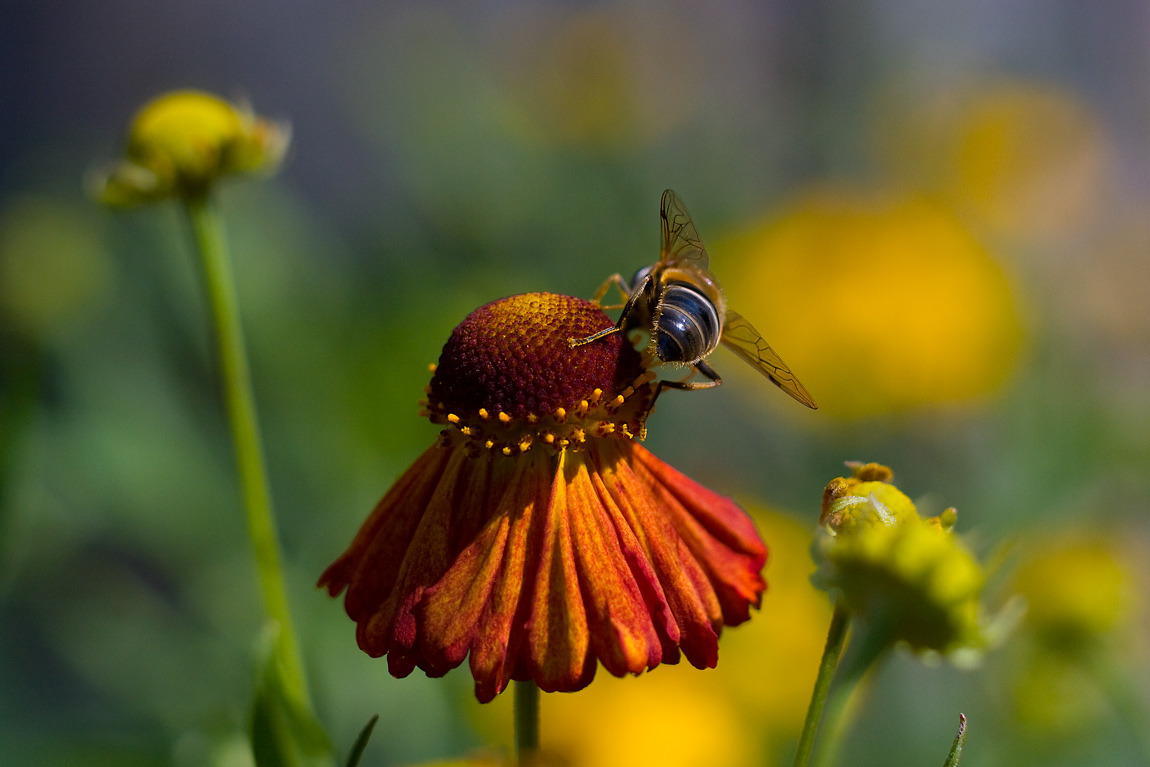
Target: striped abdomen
(689,326)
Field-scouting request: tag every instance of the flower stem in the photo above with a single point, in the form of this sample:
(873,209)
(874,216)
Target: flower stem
(836,638)
(207,233)
(868,643)
(526,721)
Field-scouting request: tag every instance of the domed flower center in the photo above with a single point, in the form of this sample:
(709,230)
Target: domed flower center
(508,379)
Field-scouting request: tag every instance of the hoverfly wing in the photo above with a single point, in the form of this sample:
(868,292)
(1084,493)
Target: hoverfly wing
(680,243)
(742,338)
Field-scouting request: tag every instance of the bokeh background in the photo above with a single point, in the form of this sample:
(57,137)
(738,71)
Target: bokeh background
(938,213)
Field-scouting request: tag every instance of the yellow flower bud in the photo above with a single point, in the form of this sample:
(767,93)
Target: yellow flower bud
(915,579)
(894,571)
(181,142)
(864,498)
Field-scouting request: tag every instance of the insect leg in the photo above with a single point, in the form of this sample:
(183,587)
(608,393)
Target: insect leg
(713,379)
(617,280)
(573,342)
(632,298)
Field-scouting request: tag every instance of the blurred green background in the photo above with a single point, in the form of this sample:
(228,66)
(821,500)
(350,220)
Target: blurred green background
(937,213)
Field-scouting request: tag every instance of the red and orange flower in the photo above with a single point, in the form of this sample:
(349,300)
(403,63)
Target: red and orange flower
(537,536)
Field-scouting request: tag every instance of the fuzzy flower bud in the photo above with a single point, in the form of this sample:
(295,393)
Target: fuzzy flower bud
(897,573)
(181,142)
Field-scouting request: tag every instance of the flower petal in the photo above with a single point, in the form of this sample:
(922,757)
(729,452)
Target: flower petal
(475,605)
(690,598)
(393,625)
(369,567)
(718,533)
(558,639)
(623,635)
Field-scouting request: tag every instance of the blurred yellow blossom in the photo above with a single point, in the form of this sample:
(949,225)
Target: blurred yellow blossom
(1081,595)
(670,717)
(590,75)
(900,306)
(1029,159)
(770,664)
(53,265)
(1077,592)
(181,142)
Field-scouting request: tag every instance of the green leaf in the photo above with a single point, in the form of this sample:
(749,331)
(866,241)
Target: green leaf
(959,739)
(361,742)
(284,730)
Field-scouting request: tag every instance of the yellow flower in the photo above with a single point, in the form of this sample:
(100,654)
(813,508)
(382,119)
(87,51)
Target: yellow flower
(1026,159)
(672,717)
(769,667)
(53,266)
(180,143)
(910,579)
(1070,659)
(1078,591)
(901,306)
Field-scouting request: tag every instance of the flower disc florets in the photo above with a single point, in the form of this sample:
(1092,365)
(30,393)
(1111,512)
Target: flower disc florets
(508,379)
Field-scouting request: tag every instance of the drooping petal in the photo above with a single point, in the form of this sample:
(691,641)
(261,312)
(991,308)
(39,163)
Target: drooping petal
(557,653)
(690,598)
(720,536)
(474,607)
(369,567)
(623,635)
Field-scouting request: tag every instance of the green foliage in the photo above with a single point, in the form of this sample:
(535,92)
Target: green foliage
(284,731)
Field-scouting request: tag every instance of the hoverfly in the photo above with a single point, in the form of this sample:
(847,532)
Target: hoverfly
(679,303)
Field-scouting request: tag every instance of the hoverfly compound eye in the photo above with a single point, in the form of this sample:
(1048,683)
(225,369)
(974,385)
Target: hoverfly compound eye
(641,275)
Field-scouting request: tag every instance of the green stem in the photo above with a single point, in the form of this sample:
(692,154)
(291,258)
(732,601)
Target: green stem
(868,643)
(241,411)
(526,721)
(836,638)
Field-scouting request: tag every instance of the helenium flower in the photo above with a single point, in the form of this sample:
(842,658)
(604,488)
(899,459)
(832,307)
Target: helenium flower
(536,537)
